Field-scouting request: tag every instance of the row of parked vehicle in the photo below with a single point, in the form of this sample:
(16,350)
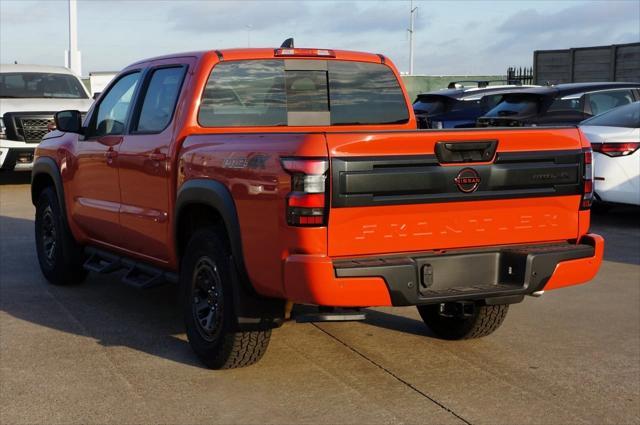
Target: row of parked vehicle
(608,113)
(29,97)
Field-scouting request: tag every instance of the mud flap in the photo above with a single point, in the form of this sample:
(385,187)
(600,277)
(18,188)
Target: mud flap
(254,312)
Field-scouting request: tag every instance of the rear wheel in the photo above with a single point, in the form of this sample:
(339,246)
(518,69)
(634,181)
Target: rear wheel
(456,321)
(61,258)
(208,308)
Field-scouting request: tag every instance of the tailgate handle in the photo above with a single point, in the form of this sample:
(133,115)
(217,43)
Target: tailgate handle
(466,151)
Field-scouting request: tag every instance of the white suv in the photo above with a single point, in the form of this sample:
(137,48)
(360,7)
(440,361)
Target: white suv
(29,96)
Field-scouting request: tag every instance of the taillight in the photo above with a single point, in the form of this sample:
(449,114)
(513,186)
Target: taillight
(305,52)
(307,202)
(587,179)
(615,149)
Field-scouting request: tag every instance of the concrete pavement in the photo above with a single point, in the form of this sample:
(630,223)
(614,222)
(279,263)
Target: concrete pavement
(102,352)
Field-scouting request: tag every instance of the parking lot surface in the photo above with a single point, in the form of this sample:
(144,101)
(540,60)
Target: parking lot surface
(103,352)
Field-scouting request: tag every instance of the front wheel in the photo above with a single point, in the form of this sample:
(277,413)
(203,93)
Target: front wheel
(61,258)
(207,300)
(454,321)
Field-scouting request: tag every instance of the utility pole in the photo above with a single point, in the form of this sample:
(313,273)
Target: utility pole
(72,57)
(249,27)
(411,31)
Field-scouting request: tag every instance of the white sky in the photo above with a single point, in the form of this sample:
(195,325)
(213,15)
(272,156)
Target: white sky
(452,37)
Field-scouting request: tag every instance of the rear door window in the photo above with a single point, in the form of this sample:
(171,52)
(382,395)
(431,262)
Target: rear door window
(160,99)
(266,93)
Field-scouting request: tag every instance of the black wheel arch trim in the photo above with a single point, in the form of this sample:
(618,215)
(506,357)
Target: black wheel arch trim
(216,195)
(254,311)
(47,166)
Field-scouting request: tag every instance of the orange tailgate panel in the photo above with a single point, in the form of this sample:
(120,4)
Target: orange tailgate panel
(370,229)
(419,227)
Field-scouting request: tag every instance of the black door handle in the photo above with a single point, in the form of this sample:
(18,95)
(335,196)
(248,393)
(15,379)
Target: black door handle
(466,151)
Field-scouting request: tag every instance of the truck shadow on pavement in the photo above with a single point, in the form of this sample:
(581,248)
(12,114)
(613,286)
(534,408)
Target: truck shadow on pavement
(14,177)
(393,322)
(101,308)
(377,318)
(115,315)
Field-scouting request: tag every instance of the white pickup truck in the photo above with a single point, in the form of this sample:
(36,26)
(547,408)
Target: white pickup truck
(29,96)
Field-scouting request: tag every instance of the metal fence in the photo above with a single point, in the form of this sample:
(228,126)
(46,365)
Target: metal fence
(618,62)
(520,75)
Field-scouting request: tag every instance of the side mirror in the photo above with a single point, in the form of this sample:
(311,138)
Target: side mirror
(96,95)
(69,121)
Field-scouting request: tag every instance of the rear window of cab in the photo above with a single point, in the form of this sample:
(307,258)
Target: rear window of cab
(290,92)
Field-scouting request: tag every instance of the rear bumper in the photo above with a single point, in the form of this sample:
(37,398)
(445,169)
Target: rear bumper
(424,278)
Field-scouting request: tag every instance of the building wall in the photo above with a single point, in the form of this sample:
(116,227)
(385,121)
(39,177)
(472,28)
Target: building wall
(586,64)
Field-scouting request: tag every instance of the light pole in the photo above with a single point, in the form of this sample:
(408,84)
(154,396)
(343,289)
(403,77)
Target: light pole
(411,31)
(249,27)
(72,59)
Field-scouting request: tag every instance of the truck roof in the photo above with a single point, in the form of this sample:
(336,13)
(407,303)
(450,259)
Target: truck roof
(473,92)
(268,53)
(567,89)
(10,67)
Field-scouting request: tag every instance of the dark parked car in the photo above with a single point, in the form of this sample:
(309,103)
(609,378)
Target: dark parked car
(562,104)
(457,107)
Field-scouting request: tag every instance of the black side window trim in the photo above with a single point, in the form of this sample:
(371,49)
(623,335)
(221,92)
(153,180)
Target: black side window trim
(96,107)
(140,96)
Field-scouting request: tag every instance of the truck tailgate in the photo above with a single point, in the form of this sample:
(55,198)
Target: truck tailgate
(432,190)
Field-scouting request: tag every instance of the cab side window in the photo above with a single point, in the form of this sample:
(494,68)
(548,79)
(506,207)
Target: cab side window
(111,114)
(160,99)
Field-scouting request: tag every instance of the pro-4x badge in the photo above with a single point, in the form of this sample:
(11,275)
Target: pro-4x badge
(467,180)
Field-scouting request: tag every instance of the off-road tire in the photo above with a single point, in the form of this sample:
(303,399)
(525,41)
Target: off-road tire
(61,258)
(485,320)
(224,346)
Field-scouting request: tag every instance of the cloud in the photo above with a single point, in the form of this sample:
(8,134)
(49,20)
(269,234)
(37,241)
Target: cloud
(29,12)
(452,37)
(354,17)
(222,16)
(585,24)
(328,17)
(604,14)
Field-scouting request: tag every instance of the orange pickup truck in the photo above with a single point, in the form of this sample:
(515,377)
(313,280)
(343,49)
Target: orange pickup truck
(258,178)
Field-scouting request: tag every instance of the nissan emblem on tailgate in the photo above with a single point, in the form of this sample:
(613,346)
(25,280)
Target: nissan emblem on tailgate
(467,180)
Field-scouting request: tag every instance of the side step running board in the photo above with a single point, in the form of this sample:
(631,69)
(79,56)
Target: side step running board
(102,262)
(139,275)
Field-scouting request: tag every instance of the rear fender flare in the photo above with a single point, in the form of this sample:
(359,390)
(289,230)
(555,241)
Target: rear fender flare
(213,194)
(253,310)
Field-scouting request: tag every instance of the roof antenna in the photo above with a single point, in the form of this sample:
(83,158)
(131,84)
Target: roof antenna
(287,44)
